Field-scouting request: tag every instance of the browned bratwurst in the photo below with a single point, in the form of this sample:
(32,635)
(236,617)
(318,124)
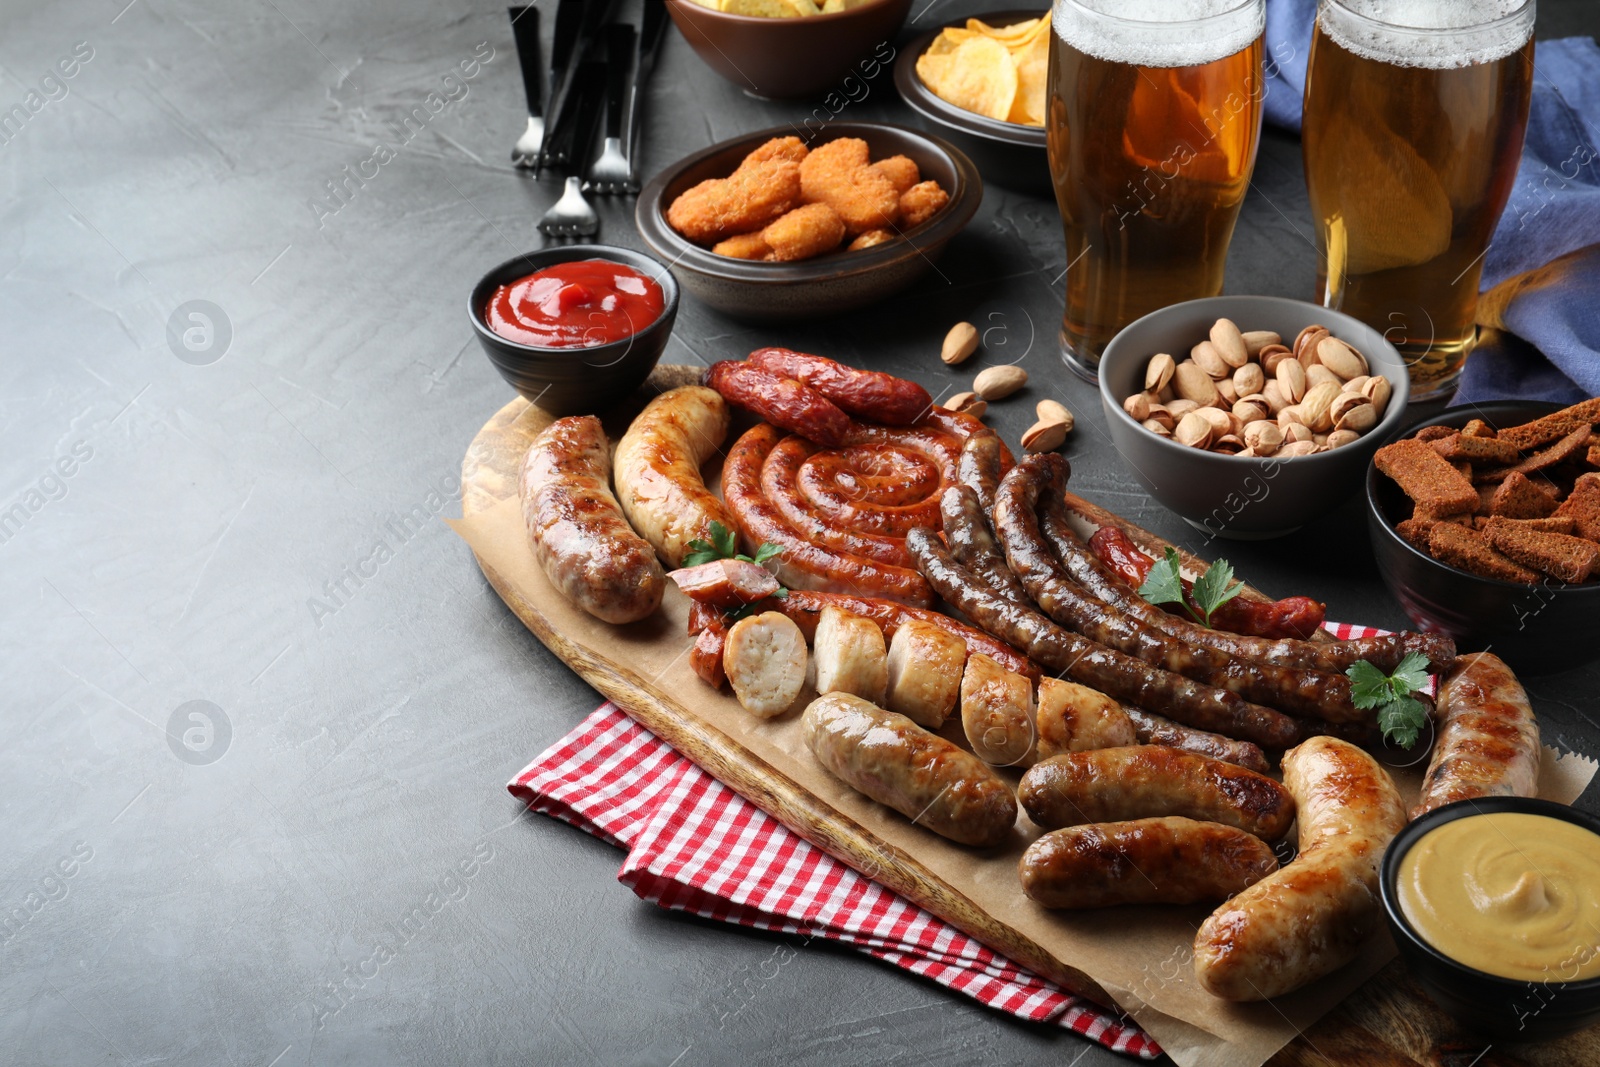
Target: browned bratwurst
(1129,680)
(1488,743)
(1016,522)
(1312,917)
(1143,781)
(982,466)
(966,531)
(919,774)
(1170,860)
(1384,651)
(1155,730)
(587,549)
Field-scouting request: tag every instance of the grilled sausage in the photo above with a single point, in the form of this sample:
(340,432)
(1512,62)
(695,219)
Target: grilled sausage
(1075,718)
(1155,730)
(850,656)
(576,528)
(1143,781)
(803,564)
(1016,522)
(997,713)
(658,470)
(780,486)
(1332,657)
(925,667)
(784,402)
(982,467)
(1129,680)
(866,394)
(1488,742)
(705,657)
(764,657)
(1170,860)
(1312,917)
(966,531)
(899,764)
(725,583)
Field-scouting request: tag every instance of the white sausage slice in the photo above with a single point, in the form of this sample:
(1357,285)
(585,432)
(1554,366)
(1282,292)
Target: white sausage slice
(1075,718)
(925,664)
(765,660)
(997,713)
(850,655)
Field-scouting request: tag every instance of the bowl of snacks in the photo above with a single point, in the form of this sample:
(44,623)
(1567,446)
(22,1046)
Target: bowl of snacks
(1490,902)
(982,84)
(575,328)
(790,49)
(766,227)
(1485,521)
(1250,416)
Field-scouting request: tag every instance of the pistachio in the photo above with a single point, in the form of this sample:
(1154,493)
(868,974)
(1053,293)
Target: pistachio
(1264,438)
(1340,438)
(1378,390)
(967,403)
(1256,340)
(1179,408)
(1227,445)
(1296,431)
(1229,343)
(1249,379)
(1226,392)
(1357,418)
(1272,355)
(1220,421)
(1044,436)
(1273,392)
(1305,345)
(1356,384)
(1193,430)
(1158,372)
(1291,380)
(1340,358)
(1317,404)
(993,383)
(1162,414)
(1157,427)
(1297,448)
(1137,406)
(1248,411)
(959,343)
(1195,384)
(1205,354)
(1316,374)
(1056,411)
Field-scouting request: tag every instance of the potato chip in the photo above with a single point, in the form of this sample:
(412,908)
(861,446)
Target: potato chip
(831,7)
(1033,74)
(979,76)
(771,9)
(1015,33)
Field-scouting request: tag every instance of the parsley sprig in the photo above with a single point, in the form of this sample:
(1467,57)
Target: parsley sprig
(724,544)
(1401,716)
(1214,588)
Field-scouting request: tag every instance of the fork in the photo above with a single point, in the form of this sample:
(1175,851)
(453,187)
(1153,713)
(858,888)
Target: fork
(525,28)
(572,215)
(611,174)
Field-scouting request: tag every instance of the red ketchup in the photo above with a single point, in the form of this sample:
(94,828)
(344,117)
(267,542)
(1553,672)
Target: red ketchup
(579,304)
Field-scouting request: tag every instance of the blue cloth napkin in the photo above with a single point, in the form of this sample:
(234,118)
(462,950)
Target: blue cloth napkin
(1541,276)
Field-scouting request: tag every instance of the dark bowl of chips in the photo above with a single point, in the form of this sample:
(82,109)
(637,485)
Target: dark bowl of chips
(1477,592)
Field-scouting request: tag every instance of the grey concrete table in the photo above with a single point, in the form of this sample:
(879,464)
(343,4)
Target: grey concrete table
(224,786)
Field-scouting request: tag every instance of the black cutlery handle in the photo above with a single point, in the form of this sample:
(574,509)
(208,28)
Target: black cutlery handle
(525,29)
(619,58)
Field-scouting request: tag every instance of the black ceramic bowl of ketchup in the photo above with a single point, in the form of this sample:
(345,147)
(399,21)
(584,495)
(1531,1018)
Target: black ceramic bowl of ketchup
(579,377)
(1504,1008)
(1542,628)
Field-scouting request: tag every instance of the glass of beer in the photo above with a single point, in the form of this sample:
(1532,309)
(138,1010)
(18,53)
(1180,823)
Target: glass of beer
(1413,130)
(1153,120)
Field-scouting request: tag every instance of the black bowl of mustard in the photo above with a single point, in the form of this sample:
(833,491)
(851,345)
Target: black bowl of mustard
(1561,999)
(576,379)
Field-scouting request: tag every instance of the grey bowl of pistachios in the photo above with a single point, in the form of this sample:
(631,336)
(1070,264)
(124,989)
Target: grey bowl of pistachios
(1250,416)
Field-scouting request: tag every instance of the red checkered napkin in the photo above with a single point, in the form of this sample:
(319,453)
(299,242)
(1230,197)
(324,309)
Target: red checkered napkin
(695,845)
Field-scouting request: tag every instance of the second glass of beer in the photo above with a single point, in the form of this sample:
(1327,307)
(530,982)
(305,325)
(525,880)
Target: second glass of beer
(1153,123)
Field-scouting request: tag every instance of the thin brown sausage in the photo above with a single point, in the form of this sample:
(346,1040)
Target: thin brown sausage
(966,531)
(1170,860)
(981,468)
(1127,679)
(1144,781)
(1155,730)
(919,774)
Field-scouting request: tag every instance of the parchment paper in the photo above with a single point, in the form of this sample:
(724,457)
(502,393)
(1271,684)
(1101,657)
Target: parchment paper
(1140,955)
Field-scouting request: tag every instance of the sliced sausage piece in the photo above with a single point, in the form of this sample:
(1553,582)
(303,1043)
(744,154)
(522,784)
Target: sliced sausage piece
(1312,917)
(1170,860)
(1488,743)
(899,764)
(997,713)
(765,659)
(576,528)
(1144,781)
(658,469)
(725,583)
(1075,718)
(850,656)
(925,667)
(705,658)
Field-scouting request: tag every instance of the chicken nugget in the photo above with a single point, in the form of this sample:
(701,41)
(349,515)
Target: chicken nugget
(804,232)
(922,202)
(791,148)
(837,174)
(744,246)
(870,239)
(901,170)
(746,200)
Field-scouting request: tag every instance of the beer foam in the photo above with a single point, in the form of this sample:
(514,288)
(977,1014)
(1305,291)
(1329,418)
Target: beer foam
(1433,34)
(1159,33)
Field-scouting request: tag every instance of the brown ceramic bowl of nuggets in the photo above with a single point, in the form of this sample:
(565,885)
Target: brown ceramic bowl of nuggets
(769,227)
(1485,522)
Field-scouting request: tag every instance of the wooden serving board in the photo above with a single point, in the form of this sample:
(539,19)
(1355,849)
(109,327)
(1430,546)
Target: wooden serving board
(1387,1022)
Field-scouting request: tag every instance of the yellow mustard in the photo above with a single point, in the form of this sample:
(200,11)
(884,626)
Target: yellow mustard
(1511,894)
